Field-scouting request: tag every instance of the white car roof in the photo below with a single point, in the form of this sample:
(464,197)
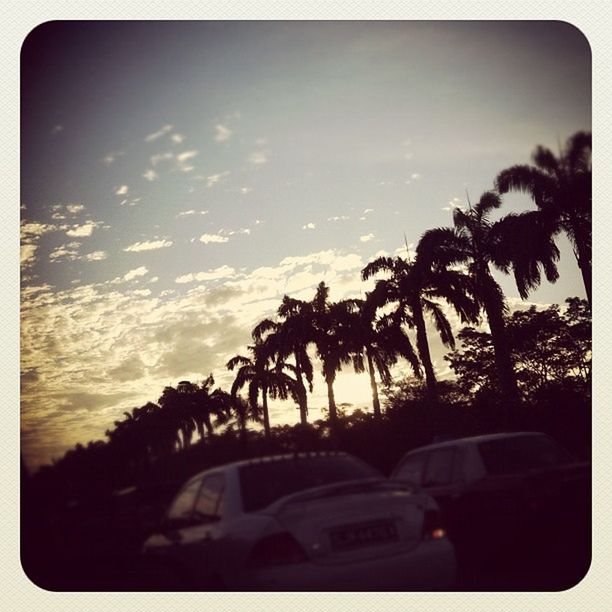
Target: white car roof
(268,459)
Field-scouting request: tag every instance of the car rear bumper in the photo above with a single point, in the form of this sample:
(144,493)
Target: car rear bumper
(431,566)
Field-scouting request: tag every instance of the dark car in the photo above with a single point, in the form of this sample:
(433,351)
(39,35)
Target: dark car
(508,499)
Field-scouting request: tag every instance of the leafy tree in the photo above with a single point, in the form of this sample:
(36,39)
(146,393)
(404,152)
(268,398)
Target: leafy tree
(561,188)
(550,347)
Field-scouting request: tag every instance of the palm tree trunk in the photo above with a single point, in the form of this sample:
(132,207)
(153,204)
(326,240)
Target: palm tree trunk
(585,268)
(303,400)
(333,412)
(423,348)
(374,386)
(266,416)
(503,362)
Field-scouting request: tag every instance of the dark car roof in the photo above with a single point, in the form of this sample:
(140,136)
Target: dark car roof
(472,440)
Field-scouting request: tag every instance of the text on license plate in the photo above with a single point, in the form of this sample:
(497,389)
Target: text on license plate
(362,534)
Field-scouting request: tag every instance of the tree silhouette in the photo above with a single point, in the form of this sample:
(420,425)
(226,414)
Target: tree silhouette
(417,286)
(261,376)
(561,189)
(291,337)
(375,342)
(332,341)
(473,243)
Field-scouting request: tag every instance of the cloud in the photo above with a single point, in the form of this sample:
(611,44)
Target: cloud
(27,254)
(367,238)
(258,157)
(186,155)
(96,256)
(454,203)
(66,251)
(126,343)
(188,213)
(213,179)
(159,133)
(177,138)
(338,218)
(216,274)
(149,245)
(211,238)
(135,273)
(150,175)
(222,133)
(245,190)
(82,231)
(110,158)
(309,226)
(122,190)
(368,210)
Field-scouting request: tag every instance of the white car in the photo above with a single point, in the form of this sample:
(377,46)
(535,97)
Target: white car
(302,522)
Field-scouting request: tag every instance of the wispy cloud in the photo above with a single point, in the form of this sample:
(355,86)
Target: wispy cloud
(222,133)
(82,231)
(190,213)
(149,245)
(135,273)
(213,179)
(454,203)
(258,157)
(68,252)
(150,174)
(216,274)
(111,157)
(338,218)
(96,256)
(159,133)
(309,226)
(367,238)
(122,190)
(212,238)
(160,157)
(177,138)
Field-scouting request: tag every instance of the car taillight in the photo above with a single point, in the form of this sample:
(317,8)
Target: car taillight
(276,549)
(433,527)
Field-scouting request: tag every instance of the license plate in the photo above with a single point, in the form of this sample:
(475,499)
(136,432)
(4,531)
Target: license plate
(362,534)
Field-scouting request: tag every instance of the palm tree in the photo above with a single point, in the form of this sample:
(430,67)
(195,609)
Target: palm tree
(376,342)
(473,242)
(291,337)
(176,405)
(417,286)
(258,373)
(561,189)
(332,341)
(202,402)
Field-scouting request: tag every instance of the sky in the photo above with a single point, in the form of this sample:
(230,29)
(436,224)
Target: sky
(179,178)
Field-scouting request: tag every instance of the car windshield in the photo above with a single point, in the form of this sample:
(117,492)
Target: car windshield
(521,453)
(264,483)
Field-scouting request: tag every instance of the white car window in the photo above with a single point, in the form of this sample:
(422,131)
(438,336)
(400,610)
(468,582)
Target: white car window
(209,505)
(182,505)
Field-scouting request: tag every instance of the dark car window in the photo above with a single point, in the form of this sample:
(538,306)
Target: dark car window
(181,507)
(411,469)
(439,469)
(263,483)
(209,505)
(521,453)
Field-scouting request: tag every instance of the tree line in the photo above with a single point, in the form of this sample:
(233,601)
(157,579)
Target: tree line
(452,268)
